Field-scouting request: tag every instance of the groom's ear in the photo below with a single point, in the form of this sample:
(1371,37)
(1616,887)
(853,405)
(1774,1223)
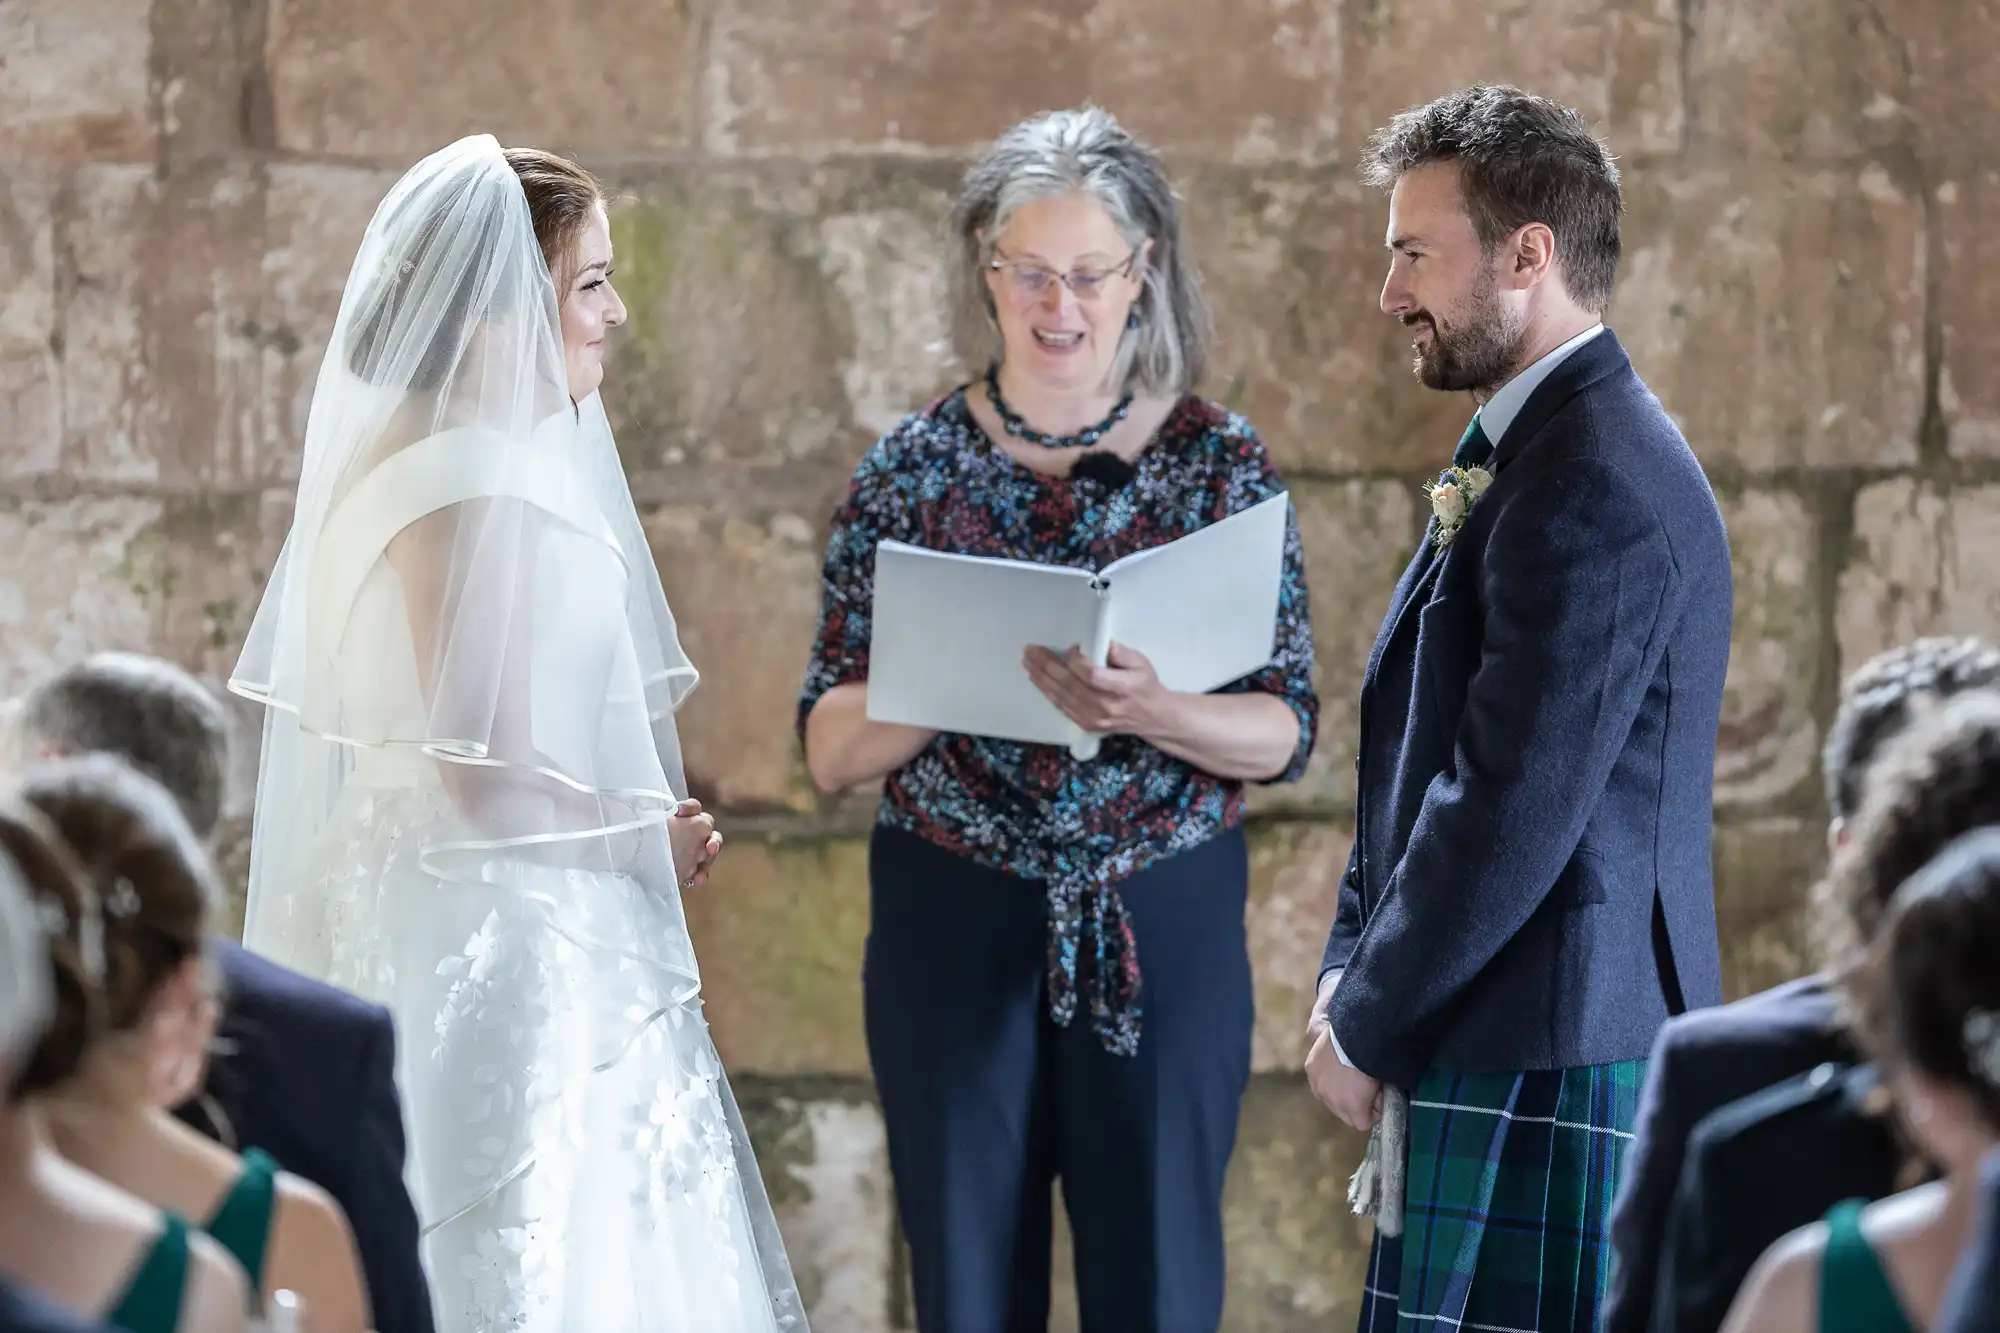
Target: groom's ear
(1531,255)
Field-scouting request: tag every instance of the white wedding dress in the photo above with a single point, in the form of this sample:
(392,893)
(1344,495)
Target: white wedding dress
(468,765)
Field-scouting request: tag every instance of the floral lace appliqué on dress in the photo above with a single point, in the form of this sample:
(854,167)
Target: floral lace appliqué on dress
(574,1150)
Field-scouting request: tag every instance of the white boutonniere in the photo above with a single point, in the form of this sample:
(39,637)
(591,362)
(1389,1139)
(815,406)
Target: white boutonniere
(1452,495)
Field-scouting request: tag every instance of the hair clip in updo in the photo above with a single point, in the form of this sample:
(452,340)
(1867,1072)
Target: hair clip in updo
(49,915)
(1982,1045)
(123,900)
(55,923)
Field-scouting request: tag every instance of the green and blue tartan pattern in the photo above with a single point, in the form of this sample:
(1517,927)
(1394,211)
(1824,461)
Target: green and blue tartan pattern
(1507,1207)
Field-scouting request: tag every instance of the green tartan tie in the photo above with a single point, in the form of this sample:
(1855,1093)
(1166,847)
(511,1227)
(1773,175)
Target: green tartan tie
(1474,449)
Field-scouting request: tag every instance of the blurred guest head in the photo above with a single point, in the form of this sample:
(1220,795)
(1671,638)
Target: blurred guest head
(1933,784)
(146,711)
(67,964)
(1068,264)
(574,231)
(158,899)
(1927,1001)
(26,998)
(1881,698)
(1503,210)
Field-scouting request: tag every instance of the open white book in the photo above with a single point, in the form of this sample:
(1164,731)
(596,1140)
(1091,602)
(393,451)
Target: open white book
(949,630)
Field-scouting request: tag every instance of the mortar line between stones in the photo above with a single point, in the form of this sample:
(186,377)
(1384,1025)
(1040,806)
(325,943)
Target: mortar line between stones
(1933,431)
(1689,103)
(704,56)
(1836,522)
(62,271)
(1933,444)
(56,487)
(256,111)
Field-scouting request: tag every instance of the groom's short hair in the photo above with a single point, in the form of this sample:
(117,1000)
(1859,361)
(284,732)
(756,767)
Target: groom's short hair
(146,711)
(1521,159)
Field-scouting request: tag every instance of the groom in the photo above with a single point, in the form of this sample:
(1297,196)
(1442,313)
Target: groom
(1529,893)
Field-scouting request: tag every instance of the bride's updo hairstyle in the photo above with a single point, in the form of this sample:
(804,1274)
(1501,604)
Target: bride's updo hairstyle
(434,271)
(67,921)
(156,891)
(422,273)
(561,196)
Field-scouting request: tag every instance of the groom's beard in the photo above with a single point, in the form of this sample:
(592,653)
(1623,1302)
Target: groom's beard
(1475,353)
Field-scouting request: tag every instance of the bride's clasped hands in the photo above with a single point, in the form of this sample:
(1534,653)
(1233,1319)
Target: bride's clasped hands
(695,842)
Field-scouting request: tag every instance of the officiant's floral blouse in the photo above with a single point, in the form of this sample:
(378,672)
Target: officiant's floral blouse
(1032,810)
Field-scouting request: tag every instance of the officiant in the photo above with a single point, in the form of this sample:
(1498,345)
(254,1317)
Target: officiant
(1057,982)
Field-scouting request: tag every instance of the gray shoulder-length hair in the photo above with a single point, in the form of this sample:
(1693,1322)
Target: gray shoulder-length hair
(1083,150)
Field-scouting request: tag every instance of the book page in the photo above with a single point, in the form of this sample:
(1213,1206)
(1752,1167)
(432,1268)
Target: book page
(1204,609)
(949,632)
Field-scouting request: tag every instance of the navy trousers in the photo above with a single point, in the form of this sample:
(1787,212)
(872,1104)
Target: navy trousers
(988,1103)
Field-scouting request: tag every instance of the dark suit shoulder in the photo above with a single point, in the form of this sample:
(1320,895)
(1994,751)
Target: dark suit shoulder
(1797,1022)
(1561,498)
(21,1312)
(1706,1059)
(1577,472)
(1831,1093)
(258,989)
(1603,411)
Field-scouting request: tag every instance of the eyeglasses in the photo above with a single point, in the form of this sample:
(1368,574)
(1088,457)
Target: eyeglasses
(1032,282)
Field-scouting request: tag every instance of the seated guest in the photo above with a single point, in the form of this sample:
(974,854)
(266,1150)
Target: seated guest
(1926,1005)
(74,1241)
(159,896)
(1755,1173)
(1760,1167)
(1707,1059)
(1973,1305)
(24,1010)
(310,1073)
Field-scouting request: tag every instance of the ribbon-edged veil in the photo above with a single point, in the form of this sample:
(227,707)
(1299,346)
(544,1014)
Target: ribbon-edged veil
(469,672)
(448,478)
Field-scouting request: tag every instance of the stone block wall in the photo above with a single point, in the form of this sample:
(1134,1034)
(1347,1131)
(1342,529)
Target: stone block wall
(1812,190)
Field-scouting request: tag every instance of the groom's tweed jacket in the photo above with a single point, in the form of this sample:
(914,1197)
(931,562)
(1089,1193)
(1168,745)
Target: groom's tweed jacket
(1530,886)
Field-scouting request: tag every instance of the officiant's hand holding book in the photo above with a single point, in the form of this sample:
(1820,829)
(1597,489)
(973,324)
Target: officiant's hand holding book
(1121,697)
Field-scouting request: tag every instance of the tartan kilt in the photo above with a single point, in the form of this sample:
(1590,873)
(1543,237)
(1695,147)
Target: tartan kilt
(1507,1205)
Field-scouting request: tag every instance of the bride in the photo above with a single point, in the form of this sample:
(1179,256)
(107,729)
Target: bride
(469,802)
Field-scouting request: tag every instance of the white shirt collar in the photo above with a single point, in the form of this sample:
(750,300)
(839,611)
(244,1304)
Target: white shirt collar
(1501,409)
